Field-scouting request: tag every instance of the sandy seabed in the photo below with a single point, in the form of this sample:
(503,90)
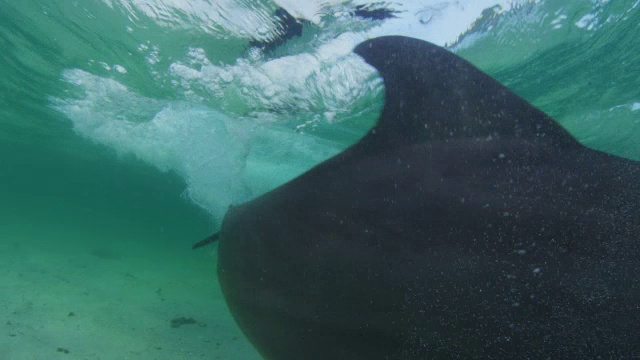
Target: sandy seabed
(64,297)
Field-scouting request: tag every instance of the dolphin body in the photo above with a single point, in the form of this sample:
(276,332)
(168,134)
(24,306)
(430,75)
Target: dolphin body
(465,224)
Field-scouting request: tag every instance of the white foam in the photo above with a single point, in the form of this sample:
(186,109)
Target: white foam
(120,69)
(587,22)
(227,157)
(329,78)
(223,160)
(205,147)
(220,17)
(438,21)
(557,23)
(328,81)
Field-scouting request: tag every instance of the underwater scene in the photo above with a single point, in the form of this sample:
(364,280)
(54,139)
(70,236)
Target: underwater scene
(130,130)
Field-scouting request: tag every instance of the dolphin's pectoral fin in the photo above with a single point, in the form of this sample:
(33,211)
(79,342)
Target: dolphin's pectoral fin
(206,241)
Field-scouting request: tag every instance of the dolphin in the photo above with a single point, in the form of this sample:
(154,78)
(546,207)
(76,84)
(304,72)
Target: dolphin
(465,224)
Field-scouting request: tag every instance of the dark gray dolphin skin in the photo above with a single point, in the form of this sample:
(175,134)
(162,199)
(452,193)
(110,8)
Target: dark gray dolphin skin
(465,224)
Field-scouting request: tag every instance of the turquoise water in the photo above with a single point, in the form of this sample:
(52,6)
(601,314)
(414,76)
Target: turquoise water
(127,128)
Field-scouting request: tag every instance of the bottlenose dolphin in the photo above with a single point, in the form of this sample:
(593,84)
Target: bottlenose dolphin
(465,224)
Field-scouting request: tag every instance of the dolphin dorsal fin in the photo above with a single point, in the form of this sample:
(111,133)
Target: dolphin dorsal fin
(432,94)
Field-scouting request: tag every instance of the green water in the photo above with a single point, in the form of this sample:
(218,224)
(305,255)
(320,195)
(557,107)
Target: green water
(51,178)
(587,80)
(73,177)
(45,193)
